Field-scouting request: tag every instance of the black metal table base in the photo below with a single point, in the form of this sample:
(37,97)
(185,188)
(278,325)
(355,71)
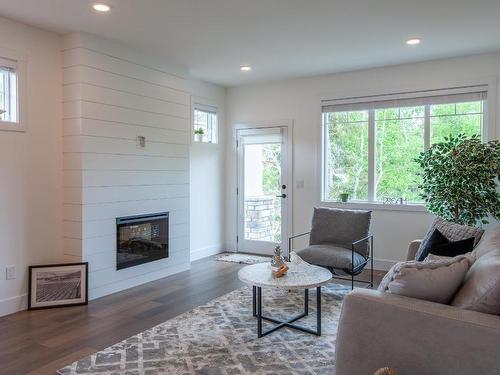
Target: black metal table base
(257,312)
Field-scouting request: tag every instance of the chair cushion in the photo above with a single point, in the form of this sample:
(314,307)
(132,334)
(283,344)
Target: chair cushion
(341,227)
(453,232)
(481,288)
(331,256)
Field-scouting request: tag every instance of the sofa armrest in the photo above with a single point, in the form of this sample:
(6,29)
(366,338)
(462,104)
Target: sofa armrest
(412,249)
(414,337)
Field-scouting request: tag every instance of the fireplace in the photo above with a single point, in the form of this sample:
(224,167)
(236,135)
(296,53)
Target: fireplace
(141,239)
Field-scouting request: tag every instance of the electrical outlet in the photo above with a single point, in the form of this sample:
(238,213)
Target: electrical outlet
(10,272)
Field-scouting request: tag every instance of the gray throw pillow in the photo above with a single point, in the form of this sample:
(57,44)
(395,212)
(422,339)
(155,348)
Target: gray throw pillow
(453,232)
(341,227)
(481,288)
(435,281)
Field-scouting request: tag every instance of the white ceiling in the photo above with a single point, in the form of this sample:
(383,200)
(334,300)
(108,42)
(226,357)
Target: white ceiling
(278,38)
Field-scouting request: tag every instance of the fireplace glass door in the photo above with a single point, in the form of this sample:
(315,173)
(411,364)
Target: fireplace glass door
(141,239)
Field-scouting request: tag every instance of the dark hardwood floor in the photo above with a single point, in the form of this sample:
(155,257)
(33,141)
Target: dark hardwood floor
(42,341)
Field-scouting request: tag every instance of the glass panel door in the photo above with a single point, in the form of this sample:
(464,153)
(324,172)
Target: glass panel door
(262,190)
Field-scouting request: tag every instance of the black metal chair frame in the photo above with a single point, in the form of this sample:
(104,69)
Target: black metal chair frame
(354,271)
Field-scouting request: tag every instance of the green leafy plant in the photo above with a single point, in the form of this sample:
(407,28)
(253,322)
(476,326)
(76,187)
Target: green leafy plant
(459,179)
(199,131)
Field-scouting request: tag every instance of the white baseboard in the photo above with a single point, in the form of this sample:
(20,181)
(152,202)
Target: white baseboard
(206,252)
(13,304)
(136,281)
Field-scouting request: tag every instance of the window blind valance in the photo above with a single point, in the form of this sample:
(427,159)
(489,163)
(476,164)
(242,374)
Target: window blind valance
(205,108)
(261,136)
(9,65)
(458,95)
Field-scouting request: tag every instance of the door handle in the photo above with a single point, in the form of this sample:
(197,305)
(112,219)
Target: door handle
(281,196)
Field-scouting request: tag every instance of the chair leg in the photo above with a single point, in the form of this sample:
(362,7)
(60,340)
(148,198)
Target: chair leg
(371,276)
(371,261)
(352,267)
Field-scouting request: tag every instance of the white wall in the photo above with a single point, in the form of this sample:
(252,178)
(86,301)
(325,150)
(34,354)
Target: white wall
(207,178)
(111,95)
(299,99)
(30,165)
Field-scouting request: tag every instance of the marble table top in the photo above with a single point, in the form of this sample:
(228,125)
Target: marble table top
(299,276)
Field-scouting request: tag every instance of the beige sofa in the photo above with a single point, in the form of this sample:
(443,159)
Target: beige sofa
(417,337)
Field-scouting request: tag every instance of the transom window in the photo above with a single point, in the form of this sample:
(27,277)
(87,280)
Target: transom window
(370,147)
(8,91)
(205,124)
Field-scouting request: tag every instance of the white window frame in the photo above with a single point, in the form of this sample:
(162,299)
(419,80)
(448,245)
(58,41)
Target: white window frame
(206,108)
(488,85)
(19,63)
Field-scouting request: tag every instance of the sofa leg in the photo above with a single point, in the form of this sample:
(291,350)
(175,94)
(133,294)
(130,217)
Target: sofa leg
(352,282)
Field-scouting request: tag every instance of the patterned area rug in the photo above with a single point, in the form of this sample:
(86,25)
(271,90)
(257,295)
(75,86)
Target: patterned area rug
(220,338)
(242,258)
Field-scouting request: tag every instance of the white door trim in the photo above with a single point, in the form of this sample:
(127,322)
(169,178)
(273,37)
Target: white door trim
(288,124)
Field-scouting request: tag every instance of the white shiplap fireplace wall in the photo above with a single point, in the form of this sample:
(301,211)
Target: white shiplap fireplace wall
(111,95)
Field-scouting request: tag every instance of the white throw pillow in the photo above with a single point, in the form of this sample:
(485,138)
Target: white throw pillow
(436,281)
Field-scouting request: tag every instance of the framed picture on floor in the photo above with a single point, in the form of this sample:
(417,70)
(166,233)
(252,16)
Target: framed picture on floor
(58,285)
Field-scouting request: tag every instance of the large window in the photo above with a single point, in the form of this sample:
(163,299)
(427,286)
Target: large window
(205,124)
(370,147)
(8,91)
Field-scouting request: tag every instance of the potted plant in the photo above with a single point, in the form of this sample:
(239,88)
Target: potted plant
(459,179)
(198,134)
(344,197)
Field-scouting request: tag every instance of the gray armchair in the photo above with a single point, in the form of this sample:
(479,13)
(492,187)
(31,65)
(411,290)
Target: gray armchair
(339,240)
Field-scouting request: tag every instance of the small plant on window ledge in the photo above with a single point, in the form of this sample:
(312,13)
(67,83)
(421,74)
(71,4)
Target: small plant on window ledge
(198,134)
(459,179)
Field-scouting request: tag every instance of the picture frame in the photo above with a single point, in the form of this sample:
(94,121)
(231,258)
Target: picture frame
(58,285)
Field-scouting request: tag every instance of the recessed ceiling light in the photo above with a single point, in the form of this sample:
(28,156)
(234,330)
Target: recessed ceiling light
(245,68)
(101,7)
(413,41)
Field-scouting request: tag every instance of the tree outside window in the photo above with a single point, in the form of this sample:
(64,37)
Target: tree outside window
(399,135)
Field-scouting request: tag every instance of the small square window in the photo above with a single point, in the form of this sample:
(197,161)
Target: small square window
(205,125)
(8,92)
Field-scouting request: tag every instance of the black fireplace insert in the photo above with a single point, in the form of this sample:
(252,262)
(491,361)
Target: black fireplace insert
(141,239)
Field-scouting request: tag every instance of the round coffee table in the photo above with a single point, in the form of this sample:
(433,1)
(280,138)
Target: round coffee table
(299,276)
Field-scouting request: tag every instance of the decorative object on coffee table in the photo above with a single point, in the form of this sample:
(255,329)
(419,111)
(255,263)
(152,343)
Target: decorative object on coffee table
(385,371)
(300,276)
(58,285)
(278,265)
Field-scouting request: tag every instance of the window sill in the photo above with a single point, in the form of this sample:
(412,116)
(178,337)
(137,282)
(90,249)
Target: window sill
(11,126)
(376,206)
